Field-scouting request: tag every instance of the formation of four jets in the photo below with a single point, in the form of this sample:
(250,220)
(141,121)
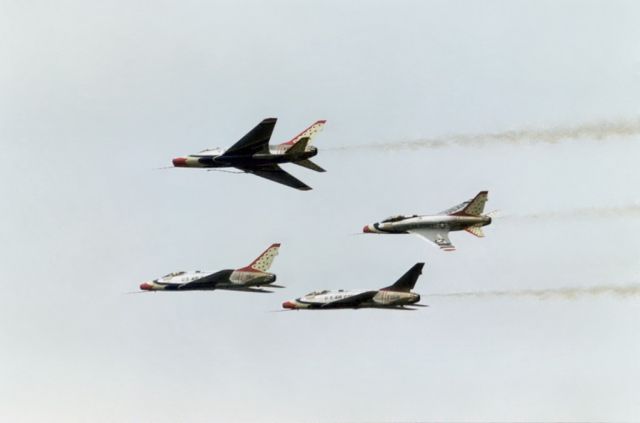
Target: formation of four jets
(253,154)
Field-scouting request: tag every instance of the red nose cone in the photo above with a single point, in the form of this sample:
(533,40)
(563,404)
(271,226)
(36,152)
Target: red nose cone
(180,162)
(146,287)
(366,229)
(289,305)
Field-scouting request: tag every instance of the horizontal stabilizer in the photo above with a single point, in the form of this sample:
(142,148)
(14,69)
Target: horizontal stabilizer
(299,147)
(475,230)
(309,165)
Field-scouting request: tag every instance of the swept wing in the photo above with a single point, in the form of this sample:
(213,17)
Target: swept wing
(256,140)
(274,173)
(437,236)
(207,282)
(352,301)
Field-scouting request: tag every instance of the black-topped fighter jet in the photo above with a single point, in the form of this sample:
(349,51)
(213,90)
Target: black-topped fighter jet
(251,278)
(253,154)
(397,296)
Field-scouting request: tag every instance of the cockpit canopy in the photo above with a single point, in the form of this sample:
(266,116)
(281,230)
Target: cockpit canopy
(398,218)
(314,293)
(211,151)
(172,275)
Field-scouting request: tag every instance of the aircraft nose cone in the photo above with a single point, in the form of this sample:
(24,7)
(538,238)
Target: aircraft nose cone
(366,229)
(289,305)
(179,162)
(145,286)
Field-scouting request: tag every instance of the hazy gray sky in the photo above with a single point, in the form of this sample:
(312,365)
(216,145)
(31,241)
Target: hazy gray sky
(95,95)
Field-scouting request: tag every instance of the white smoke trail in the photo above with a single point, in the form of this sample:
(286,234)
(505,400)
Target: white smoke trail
(621,291)
(592,131)
(632,210)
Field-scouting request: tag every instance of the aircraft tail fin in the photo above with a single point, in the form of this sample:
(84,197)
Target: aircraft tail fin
(309,165)
(473,207)
(475,230)
(263,262)
(310,133)
(408,280)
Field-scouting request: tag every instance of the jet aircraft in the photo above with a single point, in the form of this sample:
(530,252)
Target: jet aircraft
(396,296)
(251,278)
(253,154)
(466,216)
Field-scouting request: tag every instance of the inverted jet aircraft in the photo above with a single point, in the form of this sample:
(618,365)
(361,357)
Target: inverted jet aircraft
(396,296)
(466,216)
(253,154)
(251,278)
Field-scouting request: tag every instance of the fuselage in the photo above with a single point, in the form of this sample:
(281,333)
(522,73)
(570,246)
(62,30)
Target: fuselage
(321,299)
(403,224)
(214,158)
(201,280)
